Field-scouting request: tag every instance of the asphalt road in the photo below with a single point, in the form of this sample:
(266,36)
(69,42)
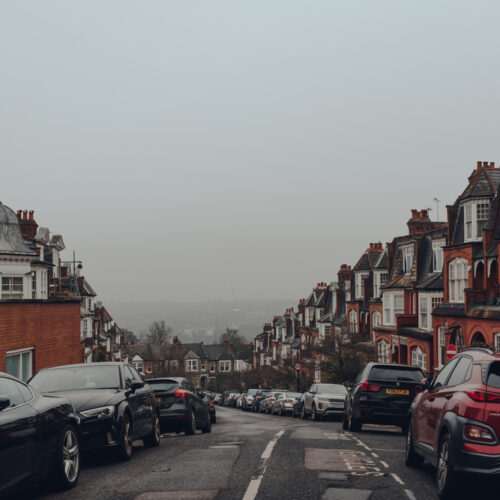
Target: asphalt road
(249,456)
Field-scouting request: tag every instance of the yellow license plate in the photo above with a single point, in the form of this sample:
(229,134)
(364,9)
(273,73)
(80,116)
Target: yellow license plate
(399,392)
(158,400)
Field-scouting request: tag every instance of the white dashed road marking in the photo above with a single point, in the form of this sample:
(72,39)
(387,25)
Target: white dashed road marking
(410,495)
(397,478)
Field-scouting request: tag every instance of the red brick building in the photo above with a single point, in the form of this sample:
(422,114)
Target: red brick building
(470,313)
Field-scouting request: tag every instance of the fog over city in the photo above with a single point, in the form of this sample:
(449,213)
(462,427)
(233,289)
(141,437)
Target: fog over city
(227,151)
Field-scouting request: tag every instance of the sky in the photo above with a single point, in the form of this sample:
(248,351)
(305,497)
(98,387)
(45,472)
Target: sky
(225,150)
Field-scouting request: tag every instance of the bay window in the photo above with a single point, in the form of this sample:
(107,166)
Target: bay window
(437,255)
(359,285)
(457,279)
(393,305)
(475,216)
(407,259)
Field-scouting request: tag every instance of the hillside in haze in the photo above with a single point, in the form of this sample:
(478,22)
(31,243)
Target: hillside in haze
(203,321)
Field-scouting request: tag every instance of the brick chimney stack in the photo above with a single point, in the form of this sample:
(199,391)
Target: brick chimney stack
(27,222)
(419,223)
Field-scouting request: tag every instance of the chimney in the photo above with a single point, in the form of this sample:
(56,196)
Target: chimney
(27,223)
(419,223)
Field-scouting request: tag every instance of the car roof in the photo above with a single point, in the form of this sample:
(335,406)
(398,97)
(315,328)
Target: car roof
(8,375)
(87,365)
(177,379)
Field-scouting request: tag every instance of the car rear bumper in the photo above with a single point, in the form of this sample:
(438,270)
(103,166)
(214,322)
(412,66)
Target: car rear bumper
(477,463)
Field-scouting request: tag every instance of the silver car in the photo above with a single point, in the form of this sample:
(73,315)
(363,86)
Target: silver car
(323,400)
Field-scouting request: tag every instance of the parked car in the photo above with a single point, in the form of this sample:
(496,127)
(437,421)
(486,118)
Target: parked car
(182,408)
(284,403)
(239,400)
(209,400)
(248,399)
(258,398)
(265,405)
(39,438)
(382,394)
(323,400)
(297,406)
(454,423)
(113,403)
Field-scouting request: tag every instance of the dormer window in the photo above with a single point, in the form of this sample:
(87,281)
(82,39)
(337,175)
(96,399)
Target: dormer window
(475,217)
(407,259)
(359,282)
(437,255)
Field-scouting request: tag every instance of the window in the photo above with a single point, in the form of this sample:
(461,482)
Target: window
(437,255)
(353,321)
(203,365)
(191,365)
(149,367)
(497,342)
(379,279)
(435,302)
(427,304)
(441,346)
(457,279)
(383,351)
(212,366)
(359,285)
(84,328)
(15,391)
(33,285)
(424,319)
(19,364)
(90,304)
(393,304)
(12,287)
(139,366)
(399,305)
(407,259)
(129,377)
(418,358)
(376,319)
(442,376)
(462,372)
(225,366)
(476,215)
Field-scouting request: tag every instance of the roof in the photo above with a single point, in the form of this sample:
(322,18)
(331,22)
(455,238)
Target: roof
(449,310)
(483,182)
(11,239)
(85,289)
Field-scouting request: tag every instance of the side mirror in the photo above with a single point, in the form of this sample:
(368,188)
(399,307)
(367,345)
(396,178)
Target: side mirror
(136,385)
(4,402)
(425,384)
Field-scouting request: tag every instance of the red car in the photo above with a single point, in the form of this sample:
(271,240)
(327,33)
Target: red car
(455,422)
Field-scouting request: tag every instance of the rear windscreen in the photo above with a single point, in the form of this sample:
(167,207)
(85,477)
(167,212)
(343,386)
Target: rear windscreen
(396,373)
(494,375)
(162,385)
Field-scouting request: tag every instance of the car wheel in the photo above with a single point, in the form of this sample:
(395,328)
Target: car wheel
(303,414)
(345,423)
(190,424)
(412,459)
(125,446)
(67,468)
(280,412)
(213,419)
(314,413)
(153,438)
(207,428)
(354,424)
(447,482)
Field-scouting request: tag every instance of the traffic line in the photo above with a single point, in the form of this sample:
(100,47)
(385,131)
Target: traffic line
(397,478)
(410,495)
(386,465)
(254,485)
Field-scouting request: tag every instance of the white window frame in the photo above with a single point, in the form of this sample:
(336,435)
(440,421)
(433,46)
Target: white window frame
(191,365)
(377,283)
(353,321)
(496,342)
(376,321)
(458,279)
(20,352)
(441,346)
(383,350)
(437,255)
(408,254)
(225,365)
(359,279)
(473,225)
(203,365)
(419,358)
(149,367)
(426,304)
(389,304)
(10,293)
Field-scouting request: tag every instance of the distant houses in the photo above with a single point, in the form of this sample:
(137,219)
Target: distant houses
(439,284)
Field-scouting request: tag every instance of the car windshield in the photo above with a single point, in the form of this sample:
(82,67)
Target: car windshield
(292,394)
(162,385)
(396,373)
(331,389)
(252,392)
(77,378)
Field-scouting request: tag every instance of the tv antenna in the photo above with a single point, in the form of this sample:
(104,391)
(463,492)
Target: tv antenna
(437,207)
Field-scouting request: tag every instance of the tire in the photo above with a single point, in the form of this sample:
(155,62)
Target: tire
(207,428)
(125,446)
(314,413)
(213,419)
(412,458)
(345,423)
(190,428)
(303,414)
(354,424)
(153,439)
(294,415)
(67,468)
(280,413)
(447,481)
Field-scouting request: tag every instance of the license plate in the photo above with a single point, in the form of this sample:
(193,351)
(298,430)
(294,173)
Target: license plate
(399,392)
(338,405)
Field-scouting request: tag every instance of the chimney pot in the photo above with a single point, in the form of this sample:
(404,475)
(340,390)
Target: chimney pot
(414,213)
(32,212)
(25,214)
(479,165)
(19,212)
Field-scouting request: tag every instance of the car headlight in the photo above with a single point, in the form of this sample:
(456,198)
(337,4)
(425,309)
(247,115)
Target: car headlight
(103,412)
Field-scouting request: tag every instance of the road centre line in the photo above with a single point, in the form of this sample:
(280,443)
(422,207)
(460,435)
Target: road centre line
(374,455)
(386,465)
(410,495)
(254,485)
(397,478)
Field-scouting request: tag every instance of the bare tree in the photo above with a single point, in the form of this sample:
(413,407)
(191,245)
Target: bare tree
(231,336)
(158,332)
(129,337)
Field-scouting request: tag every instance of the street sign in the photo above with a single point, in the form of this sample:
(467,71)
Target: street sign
(451,350)
(298,366)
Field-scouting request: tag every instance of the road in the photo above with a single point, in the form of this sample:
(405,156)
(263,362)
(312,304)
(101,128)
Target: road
(249,456)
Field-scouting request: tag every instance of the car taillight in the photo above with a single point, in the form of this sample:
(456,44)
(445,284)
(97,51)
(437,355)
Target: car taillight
(258,398)
(477,433)
(211,404)
(365,386)
(179,393)
(288,400)
(484,397)
(272,399)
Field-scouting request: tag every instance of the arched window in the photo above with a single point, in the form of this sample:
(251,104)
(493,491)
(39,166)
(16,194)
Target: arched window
(479,275)
(376,319)
(496,340)
(353,321)
(457,279)
(383,350)
(418,358)
(477,339)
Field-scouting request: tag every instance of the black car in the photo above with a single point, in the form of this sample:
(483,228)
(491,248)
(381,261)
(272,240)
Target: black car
(182,409)
(258,398)
(38,438)
(209,400)
(298,404)
(381,394)
(113,403)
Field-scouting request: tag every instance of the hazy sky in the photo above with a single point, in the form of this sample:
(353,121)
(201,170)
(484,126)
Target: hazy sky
(193,150)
